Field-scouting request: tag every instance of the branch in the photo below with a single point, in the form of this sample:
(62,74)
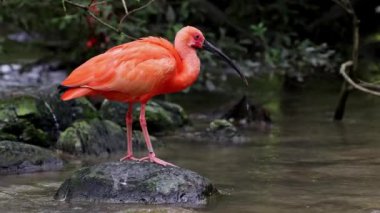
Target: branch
(91,2)
(125,6)
(346,5)
(343,68)
(86,8)
(127,13)
(368,85)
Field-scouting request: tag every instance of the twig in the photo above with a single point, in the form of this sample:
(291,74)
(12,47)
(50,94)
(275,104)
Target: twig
(346,5)
(86,8)
(127,13)
(91,2)
(343,68)
(140,8)
(64,6)
(125,6)
(100,2)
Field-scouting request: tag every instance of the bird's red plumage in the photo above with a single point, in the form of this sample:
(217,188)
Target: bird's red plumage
(132,72)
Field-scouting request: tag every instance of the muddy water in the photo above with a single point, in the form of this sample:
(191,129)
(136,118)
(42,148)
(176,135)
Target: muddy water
(306,163)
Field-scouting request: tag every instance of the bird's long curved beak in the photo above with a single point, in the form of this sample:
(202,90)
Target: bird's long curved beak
(211,48)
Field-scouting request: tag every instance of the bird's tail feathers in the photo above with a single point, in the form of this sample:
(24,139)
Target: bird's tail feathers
(71,93)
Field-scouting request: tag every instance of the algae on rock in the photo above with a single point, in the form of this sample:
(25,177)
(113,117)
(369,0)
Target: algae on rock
(16,157)
(37,120)
(94,137)
(160,115)
(136,182)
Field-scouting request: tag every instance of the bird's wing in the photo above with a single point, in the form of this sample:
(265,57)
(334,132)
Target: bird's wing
(136,67)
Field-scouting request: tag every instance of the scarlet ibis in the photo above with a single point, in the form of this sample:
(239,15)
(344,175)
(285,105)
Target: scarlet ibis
(134,72)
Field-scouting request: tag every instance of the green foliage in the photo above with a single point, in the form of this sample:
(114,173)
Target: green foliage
(272,34)
(259,30)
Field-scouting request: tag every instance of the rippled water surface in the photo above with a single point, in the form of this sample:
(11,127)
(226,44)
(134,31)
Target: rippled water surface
(306,163)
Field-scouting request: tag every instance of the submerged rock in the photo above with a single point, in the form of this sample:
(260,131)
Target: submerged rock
(160,115)
(16,158)
(245,111)
(136,182)
(94,137)
(219,131)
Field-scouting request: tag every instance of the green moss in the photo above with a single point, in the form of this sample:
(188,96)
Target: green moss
(32,135)
(70,140)
(160,116)
(11,109)
(24,131)
(94,137)
(220,124)
(86,108)
(156,116)
(7,136)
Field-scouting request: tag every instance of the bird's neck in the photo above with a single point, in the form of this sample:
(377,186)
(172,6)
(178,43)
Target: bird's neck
(189,71)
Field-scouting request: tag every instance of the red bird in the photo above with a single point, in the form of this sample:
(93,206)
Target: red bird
(134,72)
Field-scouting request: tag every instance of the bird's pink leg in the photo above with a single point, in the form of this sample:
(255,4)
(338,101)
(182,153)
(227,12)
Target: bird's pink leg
(128,120)
(151,156)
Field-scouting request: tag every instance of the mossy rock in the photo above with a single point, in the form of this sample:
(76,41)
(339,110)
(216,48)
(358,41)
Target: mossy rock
(18,118)
(16,108)
(136,182)
(62,114)
(94,137)
(222,124)
(219,131)
(161,116)
(138,141)
(176,112)
(16,158)
(37,119)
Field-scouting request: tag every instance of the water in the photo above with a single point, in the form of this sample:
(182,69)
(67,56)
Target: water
(306,163)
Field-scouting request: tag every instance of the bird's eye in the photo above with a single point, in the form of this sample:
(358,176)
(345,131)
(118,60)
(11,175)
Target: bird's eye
(196,37)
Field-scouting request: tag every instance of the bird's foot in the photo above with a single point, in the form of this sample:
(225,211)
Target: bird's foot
(128,157)
(152,158)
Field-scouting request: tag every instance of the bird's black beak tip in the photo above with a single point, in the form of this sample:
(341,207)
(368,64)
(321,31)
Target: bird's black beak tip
(211,48)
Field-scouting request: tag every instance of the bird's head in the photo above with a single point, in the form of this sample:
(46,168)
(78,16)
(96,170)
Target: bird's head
(194,38)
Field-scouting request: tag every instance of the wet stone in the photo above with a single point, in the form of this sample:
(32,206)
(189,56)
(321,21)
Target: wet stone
(37,119)
(136,182)
(17,158)
(160,115)
(219,131)
(94,137)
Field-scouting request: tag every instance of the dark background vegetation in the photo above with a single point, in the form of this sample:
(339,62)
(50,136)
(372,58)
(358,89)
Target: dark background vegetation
(290,38)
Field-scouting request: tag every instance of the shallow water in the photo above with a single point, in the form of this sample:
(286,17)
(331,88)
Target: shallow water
(306,163)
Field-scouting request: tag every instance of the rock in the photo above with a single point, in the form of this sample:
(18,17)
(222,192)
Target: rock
(220,131)
(138,141)
(246,112)
(94,137)
(136,182)
(222,124)
(37,119)
(63,113)
(161,116)
(16,158)
(16,116)
(176,112)
(23,130)
(157,209)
